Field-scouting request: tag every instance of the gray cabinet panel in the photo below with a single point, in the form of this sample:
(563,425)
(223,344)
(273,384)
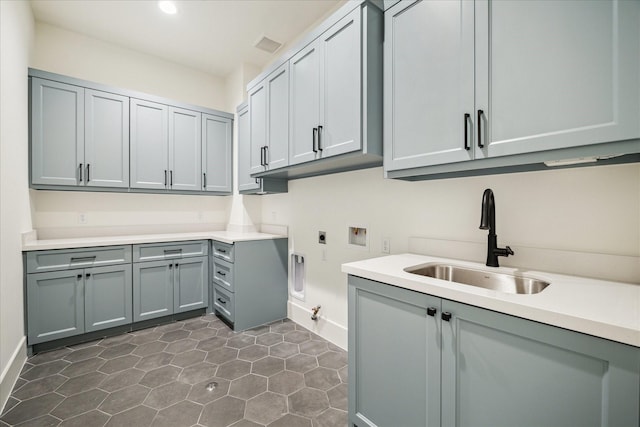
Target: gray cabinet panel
(64,259)
(55,307)
(503,371)
(223,274)
(304,104)
(394,356)
(185,161)
(246,153)
(108,297)
(341,87)
(169,250)
(578,83)
(217,153)
(257,127)
(277,84)
(106,154)
(152,289)
(425,104)
(149,145)
(57,132)
(223,303)
(191,284)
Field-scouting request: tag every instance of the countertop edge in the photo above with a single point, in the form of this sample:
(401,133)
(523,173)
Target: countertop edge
(627,333)
(98,241)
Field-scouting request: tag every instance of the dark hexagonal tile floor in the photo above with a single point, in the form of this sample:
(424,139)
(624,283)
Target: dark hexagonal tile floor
(196,372)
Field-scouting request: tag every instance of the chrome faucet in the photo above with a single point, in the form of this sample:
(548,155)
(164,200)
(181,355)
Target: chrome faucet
(488,222)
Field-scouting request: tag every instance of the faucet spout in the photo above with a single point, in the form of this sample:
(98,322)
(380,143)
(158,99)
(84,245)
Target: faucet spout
(488,222)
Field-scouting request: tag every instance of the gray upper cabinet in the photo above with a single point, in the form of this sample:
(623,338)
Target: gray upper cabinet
(305,104)
(269,121)
(57,133)
(185,153)
(149,145)
(334,100)
(577,84)
(427,107)
(106,148)
(216,153)
(79,137)
(326,93)
(516,84)
(245,151)
(165,147)
(468,366)
(86,136)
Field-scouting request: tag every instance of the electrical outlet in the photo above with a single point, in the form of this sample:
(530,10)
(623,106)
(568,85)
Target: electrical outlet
(322,237)
(82,218)
(386,245)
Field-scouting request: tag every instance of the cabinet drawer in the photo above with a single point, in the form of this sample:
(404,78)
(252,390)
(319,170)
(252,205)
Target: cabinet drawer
(223,303)
(160,251)
(223,274)
(222,250)
(65,259)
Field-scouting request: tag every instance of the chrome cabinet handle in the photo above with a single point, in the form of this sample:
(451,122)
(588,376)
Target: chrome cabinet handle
(266,153)
(479,124)
(320,138)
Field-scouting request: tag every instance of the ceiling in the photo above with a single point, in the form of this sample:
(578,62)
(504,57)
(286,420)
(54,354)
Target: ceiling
(214,36)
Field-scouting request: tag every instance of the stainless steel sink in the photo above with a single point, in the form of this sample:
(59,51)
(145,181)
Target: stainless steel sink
(501,282)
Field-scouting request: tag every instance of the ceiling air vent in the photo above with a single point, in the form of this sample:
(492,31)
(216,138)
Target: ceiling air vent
(266,44)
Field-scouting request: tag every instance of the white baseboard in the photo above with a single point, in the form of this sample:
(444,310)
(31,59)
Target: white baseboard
(326,328)
(11,372)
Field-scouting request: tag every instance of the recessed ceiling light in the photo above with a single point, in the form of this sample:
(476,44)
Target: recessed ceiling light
(168,7)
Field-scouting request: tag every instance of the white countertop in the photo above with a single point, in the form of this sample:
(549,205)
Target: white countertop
(600,308)
(87,242)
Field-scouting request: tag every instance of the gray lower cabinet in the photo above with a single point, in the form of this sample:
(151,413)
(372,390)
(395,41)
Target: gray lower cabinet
(418,360)
(175,281)
(249,281)
(70,292)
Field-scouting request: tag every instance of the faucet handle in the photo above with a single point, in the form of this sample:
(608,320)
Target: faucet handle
(508,250)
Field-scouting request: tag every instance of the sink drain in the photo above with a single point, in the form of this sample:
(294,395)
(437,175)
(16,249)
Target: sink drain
(212,386)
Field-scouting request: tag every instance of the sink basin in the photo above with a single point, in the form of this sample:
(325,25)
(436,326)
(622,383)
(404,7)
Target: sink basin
(500,282)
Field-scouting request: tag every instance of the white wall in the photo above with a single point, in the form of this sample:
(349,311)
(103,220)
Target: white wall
(16,35)
(592,210)
(57,213)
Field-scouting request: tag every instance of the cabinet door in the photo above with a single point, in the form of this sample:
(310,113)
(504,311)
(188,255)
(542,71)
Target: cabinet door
(304,104)
(149,145)
(55,305)
(216,153)
(106,153)
(394,356)
(107,297)
(191,286)
(152,289)
(185,149)
(428,83)
(258,127)
(278,118)
(499,370)
(557,74)
(57,133)
(246,153)
(341,87)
